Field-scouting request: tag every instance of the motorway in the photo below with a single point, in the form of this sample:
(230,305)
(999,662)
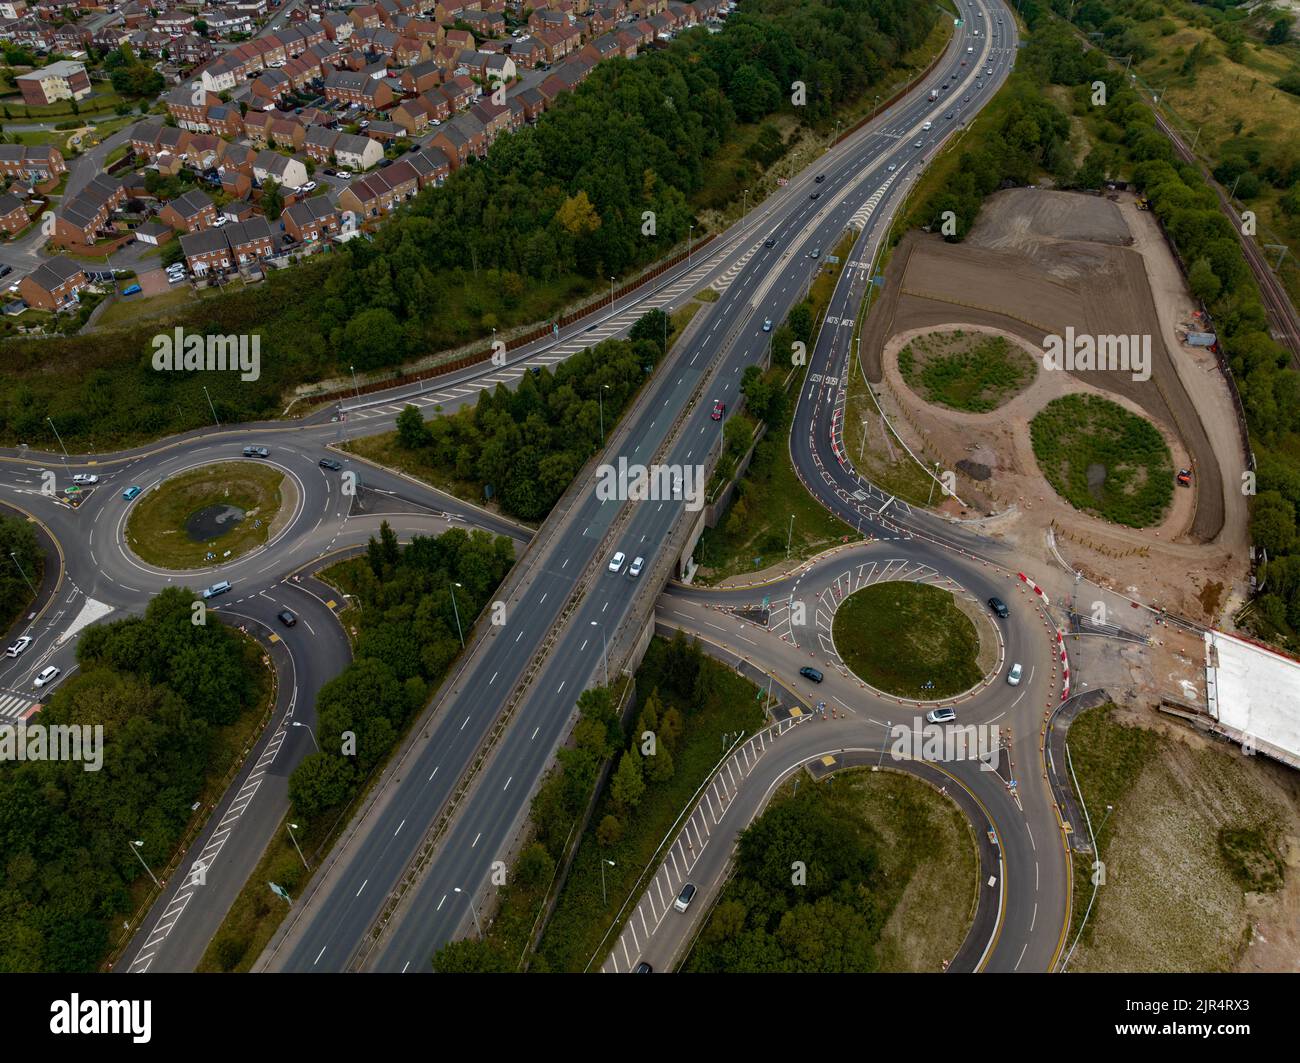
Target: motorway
(571,598)
(563,606)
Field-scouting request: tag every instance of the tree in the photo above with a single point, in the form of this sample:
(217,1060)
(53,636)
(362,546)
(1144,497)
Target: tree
(610,831)
(411,430)
(1272,523)
(1279,31)
(1202,281)
(628,785)
(661,764)
(272,200)
(322,781)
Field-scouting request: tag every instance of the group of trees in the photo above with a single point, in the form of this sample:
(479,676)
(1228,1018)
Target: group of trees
(17,538)
(802,899)
(160,685)
(410,631)
(529,443)
(551,213)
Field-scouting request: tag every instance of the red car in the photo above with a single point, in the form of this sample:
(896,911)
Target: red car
(1185,477)
(719,408)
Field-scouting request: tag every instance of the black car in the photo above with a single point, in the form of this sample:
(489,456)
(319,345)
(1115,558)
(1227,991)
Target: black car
(811,673)
(820,178)
(331,464)
(287,618)
(5,270)
(999,607)
(815,195)
(329,171)
(643,968)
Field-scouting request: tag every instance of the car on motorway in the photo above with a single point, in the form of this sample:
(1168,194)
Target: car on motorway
(286,617)
(816,252)
(130,492)
(926,126)
(217,588)
(85,478)
(48,675)
(256,452)
(999,607)
(1013,676)
(893,166)
(989,70)
(635,568)
(819,178)
(1184,477)
(948,116)
(643,968)
(770,242)
(941,716)
(719,408)
(616,562)
(965,99)
(815,195)
(767,324)
(19,646)
(970,48)
(685,897)
(331,464)
(917,144)
(811,673)
(5,270)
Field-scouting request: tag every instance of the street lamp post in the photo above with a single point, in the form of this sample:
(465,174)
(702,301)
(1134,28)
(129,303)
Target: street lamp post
(456,611)
(789,537)
(689,234)
(473,911)
(59,438)
(215,419)
(355,386)
(600,395)
(298,847)
(611,291)
(604,650)
(604,897)
(136,846)
(23,571)
(299,723)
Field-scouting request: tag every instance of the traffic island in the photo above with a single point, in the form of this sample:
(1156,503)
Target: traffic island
(207,516)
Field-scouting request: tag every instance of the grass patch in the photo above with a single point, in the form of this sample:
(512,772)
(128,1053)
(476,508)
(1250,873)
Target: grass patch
(156,530)
(908,639)
(1104,460)
(965,371)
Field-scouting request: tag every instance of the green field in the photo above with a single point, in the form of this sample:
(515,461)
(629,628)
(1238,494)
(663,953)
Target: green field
(908,639)
(156,528)
(965,371)
(1104,460)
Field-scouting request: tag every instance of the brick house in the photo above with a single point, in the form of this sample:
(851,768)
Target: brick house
(190,212)
(53,285)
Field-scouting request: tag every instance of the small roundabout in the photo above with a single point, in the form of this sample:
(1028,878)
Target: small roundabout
(913,640)
(209,515)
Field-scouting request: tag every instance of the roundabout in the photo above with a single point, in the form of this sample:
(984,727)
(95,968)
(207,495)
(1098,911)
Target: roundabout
(912,640)
(212,513)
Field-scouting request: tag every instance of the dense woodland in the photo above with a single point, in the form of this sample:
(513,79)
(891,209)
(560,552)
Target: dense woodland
(162,687)
(551,213)
(17,537)
(408,639)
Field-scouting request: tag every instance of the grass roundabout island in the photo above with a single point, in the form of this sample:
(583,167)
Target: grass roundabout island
(225,510)
(911,640)
(1104,460)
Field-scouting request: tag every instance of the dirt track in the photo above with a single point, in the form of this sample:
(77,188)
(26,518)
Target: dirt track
(1012,274)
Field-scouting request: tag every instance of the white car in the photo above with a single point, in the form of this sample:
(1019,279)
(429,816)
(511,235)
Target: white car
(1013,676)
(926,126)
(637,566)
(310,186)
(85,478)
(19,646)
(346,175)
(616,562)
(941,716)
(48,675)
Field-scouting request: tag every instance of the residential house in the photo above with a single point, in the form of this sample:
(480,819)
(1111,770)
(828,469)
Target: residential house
(190,212)
(54,284)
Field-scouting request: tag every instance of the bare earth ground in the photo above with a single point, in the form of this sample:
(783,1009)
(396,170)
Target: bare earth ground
(1169,903)
(1109,273)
